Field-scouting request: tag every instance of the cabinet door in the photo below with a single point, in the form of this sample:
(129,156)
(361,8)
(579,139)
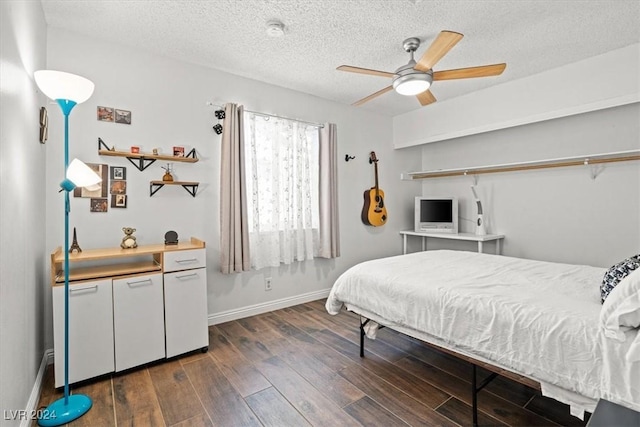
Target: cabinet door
(185,295)
(138,320)
(90,330)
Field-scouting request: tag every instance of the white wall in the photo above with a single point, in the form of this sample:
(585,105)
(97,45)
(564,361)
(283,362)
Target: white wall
(167,99)
(552,214)
(23,283)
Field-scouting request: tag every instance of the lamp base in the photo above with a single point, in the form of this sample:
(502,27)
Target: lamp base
(59,413)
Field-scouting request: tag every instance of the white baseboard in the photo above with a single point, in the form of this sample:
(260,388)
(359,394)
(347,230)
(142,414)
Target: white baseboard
(252,310)
(47,359)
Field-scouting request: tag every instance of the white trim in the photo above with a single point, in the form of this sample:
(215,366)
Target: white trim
(252,310)
(34,397)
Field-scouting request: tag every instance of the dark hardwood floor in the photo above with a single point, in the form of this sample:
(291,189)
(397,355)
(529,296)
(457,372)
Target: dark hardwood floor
(300,366)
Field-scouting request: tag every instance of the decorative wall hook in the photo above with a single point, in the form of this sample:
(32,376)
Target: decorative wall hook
(348,157)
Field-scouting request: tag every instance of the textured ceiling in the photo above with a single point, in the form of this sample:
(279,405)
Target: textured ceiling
(229,35)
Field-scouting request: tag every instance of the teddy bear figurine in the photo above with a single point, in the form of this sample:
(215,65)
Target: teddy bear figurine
(129,240)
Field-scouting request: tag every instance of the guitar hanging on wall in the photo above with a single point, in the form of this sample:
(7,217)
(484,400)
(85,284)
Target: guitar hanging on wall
(374,211)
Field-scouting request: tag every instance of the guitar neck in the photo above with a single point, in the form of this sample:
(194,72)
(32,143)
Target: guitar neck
(375,165)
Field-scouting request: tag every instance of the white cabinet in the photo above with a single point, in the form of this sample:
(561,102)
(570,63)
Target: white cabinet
(129,307)
(90,330)
(138,318)
(185,296)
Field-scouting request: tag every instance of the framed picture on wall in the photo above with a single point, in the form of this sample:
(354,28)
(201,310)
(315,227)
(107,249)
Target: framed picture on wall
(98,205)
(119,201)
(123,116)
(118,172)
(105,114)
(103,171)
(118,187)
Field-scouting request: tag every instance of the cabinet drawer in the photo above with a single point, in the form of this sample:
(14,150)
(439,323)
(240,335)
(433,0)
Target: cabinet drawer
(184,260)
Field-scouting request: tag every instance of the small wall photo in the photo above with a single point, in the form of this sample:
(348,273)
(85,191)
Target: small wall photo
(119,201)
(105,114)
(123,116)
(118,187)
(98,205)
(118,172)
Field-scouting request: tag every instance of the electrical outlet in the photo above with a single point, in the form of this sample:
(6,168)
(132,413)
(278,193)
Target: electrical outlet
(267,283)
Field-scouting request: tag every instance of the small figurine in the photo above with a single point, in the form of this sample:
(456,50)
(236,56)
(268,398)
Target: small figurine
(74,245)
(129,240)
(167,174)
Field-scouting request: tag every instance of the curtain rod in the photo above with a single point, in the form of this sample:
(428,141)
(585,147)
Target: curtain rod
(318,125)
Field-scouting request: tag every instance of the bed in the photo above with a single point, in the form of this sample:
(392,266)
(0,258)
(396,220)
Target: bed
(539,320)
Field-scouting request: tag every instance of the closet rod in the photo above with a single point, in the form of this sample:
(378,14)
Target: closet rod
(318,125)
(620,156)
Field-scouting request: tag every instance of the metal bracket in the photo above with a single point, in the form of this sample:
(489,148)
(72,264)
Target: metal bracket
(140,162)
(594,170)
(191,188)
(141,165)
(474,177)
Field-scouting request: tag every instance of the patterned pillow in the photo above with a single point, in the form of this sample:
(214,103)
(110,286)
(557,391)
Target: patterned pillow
(615,274)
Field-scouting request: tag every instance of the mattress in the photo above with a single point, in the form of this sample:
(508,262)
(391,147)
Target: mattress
(538,319)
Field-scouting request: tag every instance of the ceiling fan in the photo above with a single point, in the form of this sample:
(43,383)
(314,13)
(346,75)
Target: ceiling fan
(415,78)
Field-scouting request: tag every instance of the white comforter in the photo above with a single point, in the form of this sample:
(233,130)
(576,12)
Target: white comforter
(539,319)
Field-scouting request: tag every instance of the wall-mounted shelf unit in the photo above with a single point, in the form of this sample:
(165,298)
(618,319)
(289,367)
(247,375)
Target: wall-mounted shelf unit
(143,160)
(587,160)
(191,187)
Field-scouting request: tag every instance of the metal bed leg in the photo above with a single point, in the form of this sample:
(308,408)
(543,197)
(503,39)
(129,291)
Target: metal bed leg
(362,334)
(475,389)
(474,397)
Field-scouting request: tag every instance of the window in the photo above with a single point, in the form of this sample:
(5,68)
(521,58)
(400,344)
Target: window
(282,172)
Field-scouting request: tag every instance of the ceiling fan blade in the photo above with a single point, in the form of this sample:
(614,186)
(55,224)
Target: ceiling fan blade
(373,95)
(466,73)
(439,48)
(426,98)
(364,71)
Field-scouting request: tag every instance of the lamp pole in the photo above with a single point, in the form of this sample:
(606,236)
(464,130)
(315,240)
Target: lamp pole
(66,107)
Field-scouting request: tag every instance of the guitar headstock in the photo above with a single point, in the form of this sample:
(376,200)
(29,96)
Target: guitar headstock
(372,157)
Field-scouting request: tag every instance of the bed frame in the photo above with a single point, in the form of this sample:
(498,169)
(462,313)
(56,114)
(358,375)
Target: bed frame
(476,385)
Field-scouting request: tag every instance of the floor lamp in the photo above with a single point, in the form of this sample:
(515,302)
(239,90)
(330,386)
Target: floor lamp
(67,90)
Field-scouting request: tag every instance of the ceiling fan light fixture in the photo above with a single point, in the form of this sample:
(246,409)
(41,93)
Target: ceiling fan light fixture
(412,84)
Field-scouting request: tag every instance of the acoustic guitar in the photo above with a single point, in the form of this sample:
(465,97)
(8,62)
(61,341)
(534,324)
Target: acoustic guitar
(374,211)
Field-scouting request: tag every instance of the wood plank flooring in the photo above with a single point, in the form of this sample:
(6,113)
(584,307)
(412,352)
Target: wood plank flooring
(301,367)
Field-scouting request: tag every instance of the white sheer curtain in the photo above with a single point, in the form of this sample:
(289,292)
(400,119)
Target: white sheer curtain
(282,189)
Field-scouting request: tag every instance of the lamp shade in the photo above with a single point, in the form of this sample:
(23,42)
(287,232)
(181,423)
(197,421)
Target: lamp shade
(60,85)
(83,176)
